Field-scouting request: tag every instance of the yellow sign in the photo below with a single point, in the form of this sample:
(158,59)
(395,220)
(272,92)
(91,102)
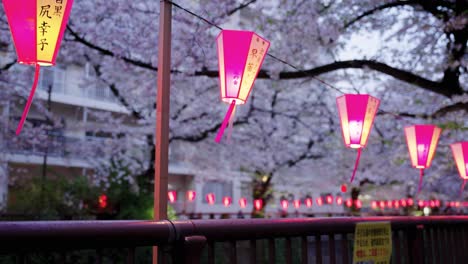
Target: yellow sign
(372,243)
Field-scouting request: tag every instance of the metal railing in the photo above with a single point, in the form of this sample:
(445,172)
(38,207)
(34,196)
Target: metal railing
(301,240)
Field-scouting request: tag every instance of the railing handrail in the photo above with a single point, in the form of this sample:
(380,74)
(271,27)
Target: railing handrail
(24,235)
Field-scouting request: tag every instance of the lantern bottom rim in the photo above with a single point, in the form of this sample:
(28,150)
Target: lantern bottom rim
(355,146)
(33,63)
(229,100)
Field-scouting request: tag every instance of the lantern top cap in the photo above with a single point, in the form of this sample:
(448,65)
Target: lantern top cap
(423,125)
(239,31)
(346,95)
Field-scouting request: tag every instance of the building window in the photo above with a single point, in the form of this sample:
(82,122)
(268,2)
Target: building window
(246,190)
(220,189)
(52,77)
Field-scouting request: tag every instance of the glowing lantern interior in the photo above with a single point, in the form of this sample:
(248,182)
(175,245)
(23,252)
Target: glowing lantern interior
(172,196)
(284,204)
(297,204)
(243,202)
(240,56)
(227,201)
(339,200)
(308,202)
(422,143)
(37,27)
(460,154)
(357,113)
(258,204)
(210,198)
(191,195)
(319,201)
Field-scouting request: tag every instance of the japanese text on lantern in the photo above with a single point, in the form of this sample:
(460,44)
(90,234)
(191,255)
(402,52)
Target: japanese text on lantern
(373,243)
(254,60)
(49,21)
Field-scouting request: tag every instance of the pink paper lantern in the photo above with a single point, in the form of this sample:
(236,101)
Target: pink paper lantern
(243,202)
(382,204)
(284,204)
(357,113)
(358,204)
(422,143)
(319,201)
(210,198)
(37,28)
(227,201)
(297,204)
(410,202)
(403,202)
(460,154)
(240,56)
(374,205)
(258,204)
(339,200)
(172,196)
(191,195)
(329,199)
(349,202)
(308,202)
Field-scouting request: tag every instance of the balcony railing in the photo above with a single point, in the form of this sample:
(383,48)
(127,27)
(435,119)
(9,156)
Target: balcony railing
(307,240)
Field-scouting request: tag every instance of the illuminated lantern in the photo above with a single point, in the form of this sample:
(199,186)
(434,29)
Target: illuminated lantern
(258,204)
(329,199)
(172,196)
(358,204)
(243,202)
(308,202)
(396,204)
(297,204)
(374,205)
(432,204)
(240,56)
(410,202)
(227,201)
(210,198)
(382,204)
(457,204)
(403,202)
(349,202)
(389,204)
(357,113)
(191,195)
(422,143)
(339,200)
(344,188)
(437,203)
(284,204)
(421,203)
(319,201)
(102,201)
(460,154)
(37,28)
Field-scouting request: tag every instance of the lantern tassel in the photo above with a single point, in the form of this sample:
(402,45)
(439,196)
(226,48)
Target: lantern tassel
(462,187)
(421,176)
(220,134)
(29,102)
(231,124)
(358,157)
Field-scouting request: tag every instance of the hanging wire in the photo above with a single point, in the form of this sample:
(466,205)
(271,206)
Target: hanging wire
(269,54)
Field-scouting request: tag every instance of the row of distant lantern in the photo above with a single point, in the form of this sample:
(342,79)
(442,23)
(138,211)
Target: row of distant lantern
(258,203)
(37,27)
(403,203)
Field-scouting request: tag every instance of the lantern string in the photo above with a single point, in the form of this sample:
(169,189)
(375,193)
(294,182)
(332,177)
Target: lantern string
(220,134)
(358,157)
(462,187)
(231,124)
(421,176)
(269,54)
(29,102)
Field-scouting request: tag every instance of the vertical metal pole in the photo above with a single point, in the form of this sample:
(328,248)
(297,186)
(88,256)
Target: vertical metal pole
(162,116)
